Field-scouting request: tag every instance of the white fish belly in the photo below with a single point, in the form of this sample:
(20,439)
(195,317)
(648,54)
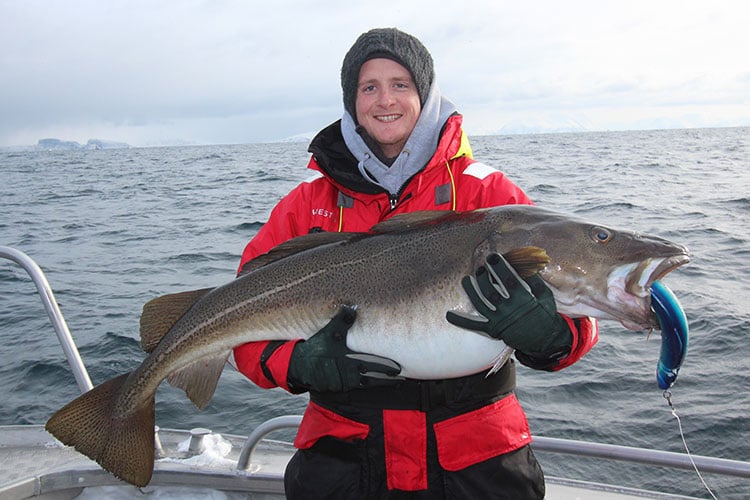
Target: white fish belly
(424,344)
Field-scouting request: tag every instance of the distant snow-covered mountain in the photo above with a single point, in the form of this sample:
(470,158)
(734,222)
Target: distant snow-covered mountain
(545,126)
(54,144)
(303,137)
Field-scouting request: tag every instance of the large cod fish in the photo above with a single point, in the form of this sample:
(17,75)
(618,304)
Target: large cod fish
(403,276)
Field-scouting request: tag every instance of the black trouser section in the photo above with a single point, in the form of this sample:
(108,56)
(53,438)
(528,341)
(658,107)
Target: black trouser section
(337,469)
(333,469)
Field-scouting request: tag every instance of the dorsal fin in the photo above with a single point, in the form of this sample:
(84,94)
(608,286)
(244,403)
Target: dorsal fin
(396,224)
(161,313)
(293,246)
(404,222)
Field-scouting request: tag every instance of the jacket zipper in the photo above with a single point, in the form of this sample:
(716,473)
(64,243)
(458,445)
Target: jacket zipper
(393,200)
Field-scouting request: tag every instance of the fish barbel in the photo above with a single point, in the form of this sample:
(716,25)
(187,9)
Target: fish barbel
(403,276)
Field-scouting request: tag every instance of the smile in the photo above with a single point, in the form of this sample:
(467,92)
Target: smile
(387,118)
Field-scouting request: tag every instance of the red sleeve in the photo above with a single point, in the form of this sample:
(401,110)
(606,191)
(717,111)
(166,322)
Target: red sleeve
(248,360)
(481,186)
(500,190)
(585,335)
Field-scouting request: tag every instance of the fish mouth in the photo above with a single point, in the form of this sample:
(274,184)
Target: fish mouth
(640,279)
(635,291)
(626,295)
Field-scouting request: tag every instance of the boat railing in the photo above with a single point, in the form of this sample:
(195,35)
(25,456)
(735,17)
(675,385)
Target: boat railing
(55,315)
(641,456)
(554,445)
(270,425)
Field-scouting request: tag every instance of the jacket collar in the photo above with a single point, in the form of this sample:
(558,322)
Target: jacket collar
(334,159)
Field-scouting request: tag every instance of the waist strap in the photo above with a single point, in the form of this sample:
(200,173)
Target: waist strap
(425,395)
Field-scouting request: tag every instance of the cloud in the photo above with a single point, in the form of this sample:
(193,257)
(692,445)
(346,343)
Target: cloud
(228,71)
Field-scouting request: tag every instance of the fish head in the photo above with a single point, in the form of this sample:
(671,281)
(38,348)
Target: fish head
(596,270)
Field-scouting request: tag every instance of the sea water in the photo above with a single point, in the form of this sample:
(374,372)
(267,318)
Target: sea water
(113,229)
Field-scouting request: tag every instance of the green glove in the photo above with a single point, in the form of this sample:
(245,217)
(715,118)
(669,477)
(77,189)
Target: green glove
(323,363)
(520,313)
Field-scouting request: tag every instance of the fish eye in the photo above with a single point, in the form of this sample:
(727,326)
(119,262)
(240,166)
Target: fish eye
(601,234)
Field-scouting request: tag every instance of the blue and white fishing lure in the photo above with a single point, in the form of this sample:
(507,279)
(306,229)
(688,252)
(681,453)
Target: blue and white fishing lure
(674,334)
(674,344)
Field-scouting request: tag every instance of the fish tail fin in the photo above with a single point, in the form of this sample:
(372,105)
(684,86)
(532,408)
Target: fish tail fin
(123,445)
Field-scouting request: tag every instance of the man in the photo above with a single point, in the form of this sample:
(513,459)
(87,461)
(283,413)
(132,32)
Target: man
(399,148)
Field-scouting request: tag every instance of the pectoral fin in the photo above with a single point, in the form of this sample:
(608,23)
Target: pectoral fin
(527,261)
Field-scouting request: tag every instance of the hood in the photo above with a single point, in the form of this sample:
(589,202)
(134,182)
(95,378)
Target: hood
(420,147)
(333,158)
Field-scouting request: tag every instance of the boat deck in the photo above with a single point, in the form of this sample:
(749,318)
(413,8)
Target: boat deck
(33,464)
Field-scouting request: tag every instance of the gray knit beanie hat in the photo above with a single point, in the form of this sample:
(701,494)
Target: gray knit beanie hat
(389,43)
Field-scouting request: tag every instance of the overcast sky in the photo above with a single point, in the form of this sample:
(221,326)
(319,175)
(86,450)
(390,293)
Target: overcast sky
(172,72)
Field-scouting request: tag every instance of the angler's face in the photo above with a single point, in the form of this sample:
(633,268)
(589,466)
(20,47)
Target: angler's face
(387,103)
